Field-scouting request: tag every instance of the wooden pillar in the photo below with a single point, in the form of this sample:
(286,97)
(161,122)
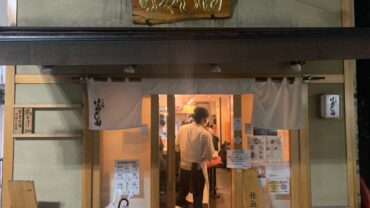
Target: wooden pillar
(154,193)
(171,154)
(295,169)
(8,135)
(304,146)
(12,12)
(237,174)
(96,170)
(351,148)
(87,146)
(350,113)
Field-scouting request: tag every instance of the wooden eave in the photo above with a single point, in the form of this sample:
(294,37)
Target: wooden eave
(111,46)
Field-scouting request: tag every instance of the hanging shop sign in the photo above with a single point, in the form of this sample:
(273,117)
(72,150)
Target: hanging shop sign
(330,106)
(169,11)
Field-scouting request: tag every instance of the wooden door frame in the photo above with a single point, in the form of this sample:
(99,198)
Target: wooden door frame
(95,137)
(300,152)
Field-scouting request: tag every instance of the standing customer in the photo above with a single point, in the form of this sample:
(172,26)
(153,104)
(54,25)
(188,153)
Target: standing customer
(195,146)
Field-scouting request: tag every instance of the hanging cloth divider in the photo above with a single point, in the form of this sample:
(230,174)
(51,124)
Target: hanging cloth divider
(276,105)
(114,105)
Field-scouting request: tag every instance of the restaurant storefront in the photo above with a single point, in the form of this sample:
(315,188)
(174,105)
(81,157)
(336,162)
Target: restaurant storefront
(75,165)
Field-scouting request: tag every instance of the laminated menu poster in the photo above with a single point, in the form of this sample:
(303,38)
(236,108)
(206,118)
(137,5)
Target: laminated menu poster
(265,149)
(127,177)
(276,171)
(256,145)
(273,148)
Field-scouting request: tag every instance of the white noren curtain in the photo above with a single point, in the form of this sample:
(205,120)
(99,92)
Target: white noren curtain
(278,105)
(114,105)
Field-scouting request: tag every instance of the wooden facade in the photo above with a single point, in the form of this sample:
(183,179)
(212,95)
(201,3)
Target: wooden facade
(32,46)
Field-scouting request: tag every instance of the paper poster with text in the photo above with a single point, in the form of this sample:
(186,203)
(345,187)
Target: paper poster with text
(127,177)
(279,186)
(238,159)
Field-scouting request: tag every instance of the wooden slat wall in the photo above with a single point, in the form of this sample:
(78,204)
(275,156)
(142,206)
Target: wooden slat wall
(8,135)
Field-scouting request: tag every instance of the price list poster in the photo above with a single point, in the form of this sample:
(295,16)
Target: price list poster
(127,177)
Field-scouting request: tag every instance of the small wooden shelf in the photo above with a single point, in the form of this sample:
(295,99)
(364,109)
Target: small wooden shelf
(49,106)
(32,136)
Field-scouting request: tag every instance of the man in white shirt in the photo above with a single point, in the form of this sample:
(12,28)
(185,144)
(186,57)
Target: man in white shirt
(195,146)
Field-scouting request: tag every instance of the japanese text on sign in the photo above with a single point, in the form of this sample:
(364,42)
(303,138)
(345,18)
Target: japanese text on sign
(238,159)
(127,177)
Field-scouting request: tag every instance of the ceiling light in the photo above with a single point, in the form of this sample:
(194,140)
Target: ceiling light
(46,69)
(215,68)
(129,69)
(297,65)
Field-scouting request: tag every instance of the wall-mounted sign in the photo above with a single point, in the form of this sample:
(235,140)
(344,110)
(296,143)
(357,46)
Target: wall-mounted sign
(278,171)
(127,177)
(237,124)
(330,106)
(279,186)
(265,149)
(18,120)
(27,120)
(169,11)
(238,159)
(237,140)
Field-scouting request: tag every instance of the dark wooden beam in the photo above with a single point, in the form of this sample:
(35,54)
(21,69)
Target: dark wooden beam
(81,46)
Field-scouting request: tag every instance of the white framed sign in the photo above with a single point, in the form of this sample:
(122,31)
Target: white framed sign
(330,106)
(238,159)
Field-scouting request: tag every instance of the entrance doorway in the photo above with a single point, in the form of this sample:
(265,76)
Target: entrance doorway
(219,126)
(133,146)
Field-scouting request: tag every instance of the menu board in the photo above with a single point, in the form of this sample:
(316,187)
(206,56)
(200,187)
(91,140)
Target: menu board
(273,148)
(127,177)
(265,149)
(256,145)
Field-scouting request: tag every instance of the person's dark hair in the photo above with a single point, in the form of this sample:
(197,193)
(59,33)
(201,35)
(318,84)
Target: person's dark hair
(199,114)
(162,122)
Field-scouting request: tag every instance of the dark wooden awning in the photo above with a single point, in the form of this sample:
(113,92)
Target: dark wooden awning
(102,46)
